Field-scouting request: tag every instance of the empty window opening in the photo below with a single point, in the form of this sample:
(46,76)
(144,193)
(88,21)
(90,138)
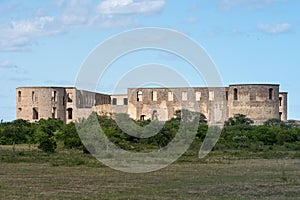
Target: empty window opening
(271,94)
(280,115)
(33,96)
(226,95)
(19,111)
(70,97)
(154,96)
(170,96)
(19,96)
(211,95)
(125,101)
(54,113)
(35,113)
(54,96)
(139,96)
(114,101)
(280,101)
(184,96)
(198,96)
(235,94)
(142,117)
(154,115)
(70,113)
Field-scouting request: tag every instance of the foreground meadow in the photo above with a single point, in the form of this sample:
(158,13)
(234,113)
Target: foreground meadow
(68,174)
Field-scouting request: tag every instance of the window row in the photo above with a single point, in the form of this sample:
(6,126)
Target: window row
(211,95)
(115,101)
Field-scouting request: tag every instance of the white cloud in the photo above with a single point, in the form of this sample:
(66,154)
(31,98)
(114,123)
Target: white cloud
(20,35)
(274,28)
(130,6)
(246,4)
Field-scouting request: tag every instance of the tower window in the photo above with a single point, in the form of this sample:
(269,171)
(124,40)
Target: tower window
(271,94)
(19,96)
(70,113)
(54,97)
(170,96)
(280,101)
(54,115)
(139,96)
(235,94)
(184,96)
(154,96)
(198,96)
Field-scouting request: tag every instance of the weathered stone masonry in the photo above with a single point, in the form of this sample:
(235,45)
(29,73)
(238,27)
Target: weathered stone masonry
(259,102)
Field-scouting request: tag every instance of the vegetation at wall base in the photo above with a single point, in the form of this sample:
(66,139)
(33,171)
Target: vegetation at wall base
(238,133)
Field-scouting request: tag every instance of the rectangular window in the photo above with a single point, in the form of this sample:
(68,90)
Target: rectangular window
(70,113)
(54,114)
(154,96)
(198,96)
(170,96)
(235,94)
(35,113)
(184,96)
(54,97)
(19,96)
(211,95)
(70,97)
(226,95)
(280,101)
(125,101)
(114,101)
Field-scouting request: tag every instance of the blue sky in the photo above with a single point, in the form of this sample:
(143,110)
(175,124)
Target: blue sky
(44,43)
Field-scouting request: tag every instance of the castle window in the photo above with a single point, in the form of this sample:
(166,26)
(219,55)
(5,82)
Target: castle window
(19,96)
(54,113)
(33,96)
(271,94)
(184,96)
(226,95)
(170,96)
(139,96)
(198,96)
(142,117)
(235,94)
(70,113)
(280,115)
(280,101)
(54,98)
(154,115)
(70,97)
(35,113)
(19,111)
(211,95)
(125,101)
(114,101)
(154,96)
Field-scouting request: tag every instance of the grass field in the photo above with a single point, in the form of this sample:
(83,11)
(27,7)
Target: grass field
(31,174)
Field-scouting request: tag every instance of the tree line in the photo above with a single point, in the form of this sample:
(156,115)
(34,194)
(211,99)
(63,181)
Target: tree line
(238,132)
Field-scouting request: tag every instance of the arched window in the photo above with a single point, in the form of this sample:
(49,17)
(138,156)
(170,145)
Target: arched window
(139,96)
(235,94)
(154,115)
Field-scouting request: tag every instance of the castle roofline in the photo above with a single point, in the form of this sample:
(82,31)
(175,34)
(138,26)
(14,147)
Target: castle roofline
(253,84)
(46,87)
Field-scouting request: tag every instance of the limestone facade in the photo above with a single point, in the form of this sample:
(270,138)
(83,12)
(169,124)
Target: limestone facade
(259,102)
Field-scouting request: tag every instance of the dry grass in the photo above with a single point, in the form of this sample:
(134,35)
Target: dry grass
(217,177)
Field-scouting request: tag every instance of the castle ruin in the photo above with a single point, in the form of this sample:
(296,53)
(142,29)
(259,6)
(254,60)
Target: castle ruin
(259,102)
